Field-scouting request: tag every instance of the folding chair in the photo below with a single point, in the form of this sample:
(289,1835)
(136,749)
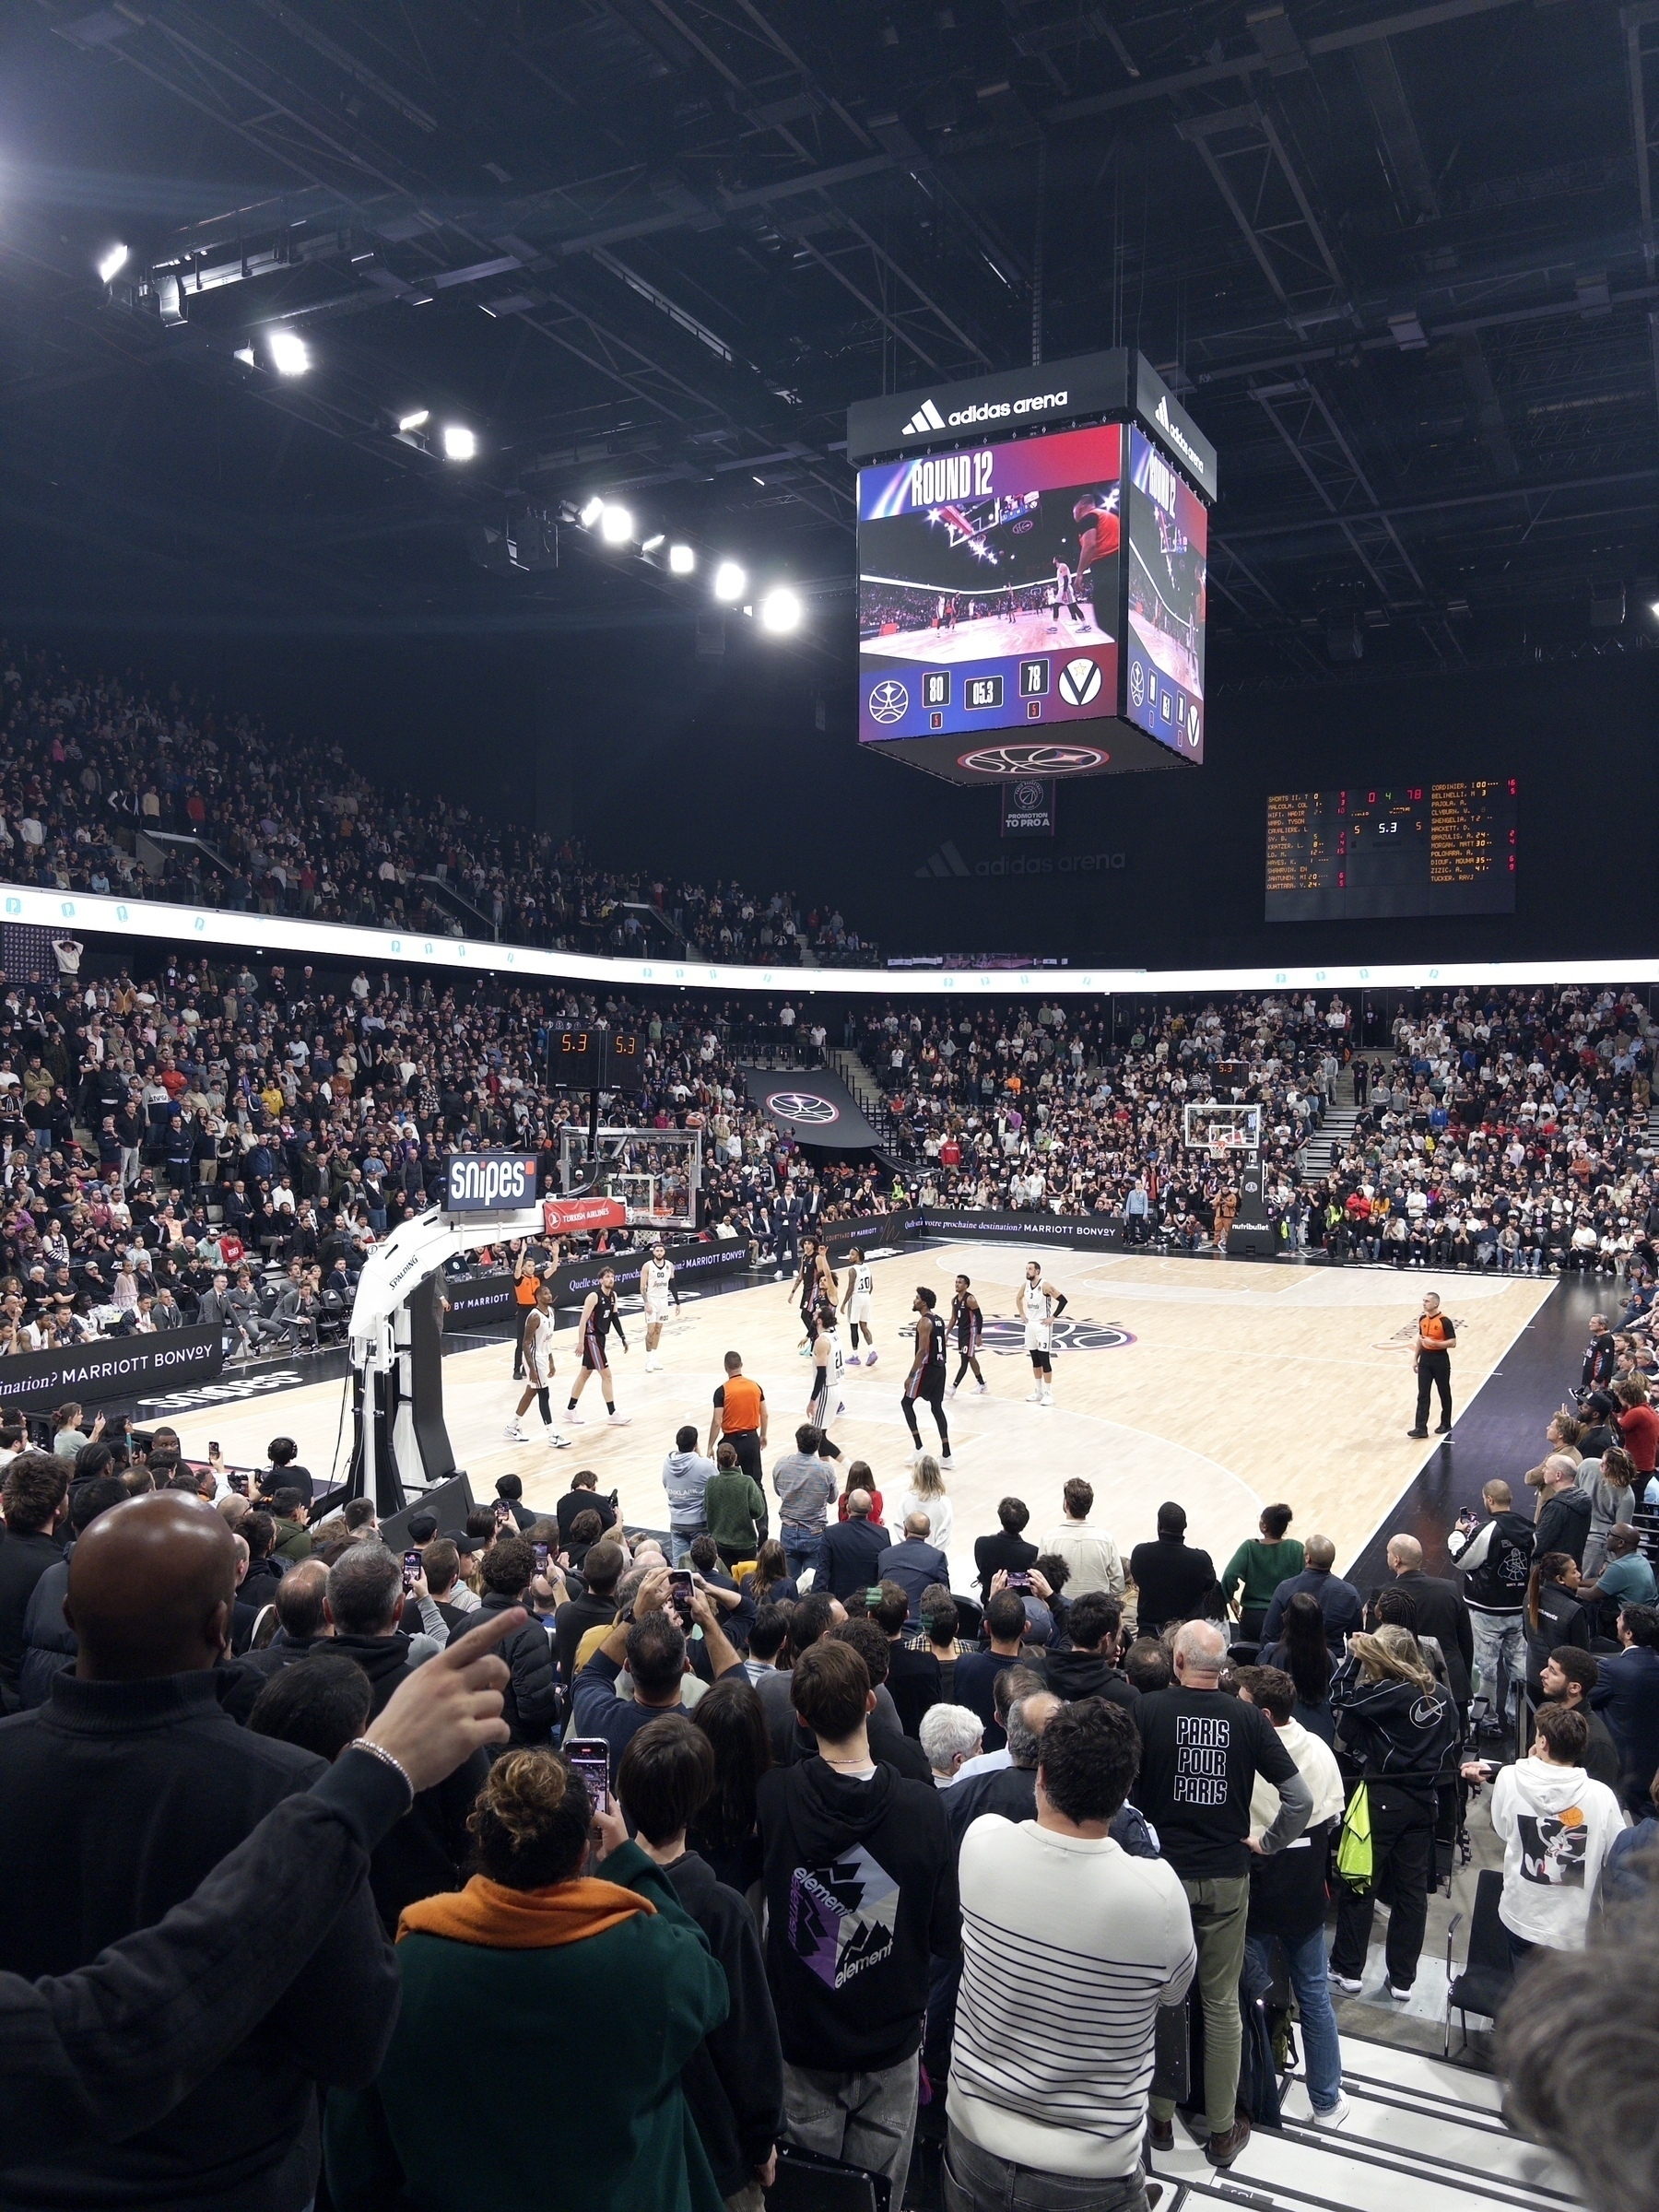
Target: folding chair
(1489,1973)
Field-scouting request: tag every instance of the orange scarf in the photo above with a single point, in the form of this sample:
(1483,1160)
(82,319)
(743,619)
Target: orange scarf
(499,1919)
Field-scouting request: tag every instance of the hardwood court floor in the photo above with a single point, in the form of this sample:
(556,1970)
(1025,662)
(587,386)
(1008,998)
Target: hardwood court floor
(1226,1385)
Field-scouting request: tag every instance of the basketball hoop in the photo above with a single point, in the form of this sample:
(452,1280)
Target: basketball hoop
(1223,1130)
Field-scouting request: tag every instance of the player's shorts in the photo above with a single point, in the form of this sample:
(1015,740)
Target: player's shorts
(593,1351)
(859,1313)
(1037,1337)
(655,1315)
(817,1407)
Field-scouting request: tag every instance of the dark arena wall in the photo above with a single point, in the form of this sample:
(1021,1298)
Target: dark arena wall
(1149,871)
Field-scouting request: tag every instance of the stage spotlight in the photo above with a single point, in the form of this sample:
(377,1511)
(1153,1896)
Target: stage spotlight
(592,511)
(781,610)
(729,581)
(459,444)
(651,544)
(112,264)
(615,524)
(418,421)
(290,353)
(681,560)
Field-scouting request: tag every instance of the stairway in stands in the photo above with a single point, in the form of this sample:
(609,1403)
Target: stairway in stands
(1421,2137)
(1329,1141)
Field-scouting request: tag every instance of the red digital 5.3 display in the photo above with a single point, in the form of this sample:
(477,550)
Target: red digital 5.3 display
(988,589)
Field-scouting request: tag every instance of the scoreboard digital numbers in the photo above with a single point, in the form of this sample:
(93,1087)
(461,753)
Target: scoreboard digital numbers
(1380,854)
(594,1059)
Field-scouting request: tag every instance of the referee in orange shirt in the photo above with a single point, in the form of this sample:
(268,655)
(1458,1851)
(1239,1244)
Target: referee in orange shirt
(739,1416)
(1435,1339)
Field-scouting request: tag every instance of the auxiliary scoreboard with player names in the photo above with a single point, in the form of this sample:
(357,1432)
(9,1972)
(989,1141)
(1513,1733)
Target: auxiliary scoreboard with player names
(1412,849)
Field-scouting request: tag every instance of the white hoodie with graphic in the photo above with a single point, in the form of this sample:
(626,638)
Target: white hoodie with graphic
(1556,1826)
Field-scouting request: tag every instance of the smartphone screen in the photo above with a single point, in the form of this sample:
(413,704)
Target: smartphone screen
(541,1558)
(589,1756)
(503,1512)
(679,1594)
(212,1450)
(1017,1582)
(411,1569)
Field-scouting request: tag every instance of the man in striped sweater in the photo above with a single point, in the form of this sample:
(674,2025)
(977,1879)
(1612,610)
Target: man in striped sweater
(1069,1947)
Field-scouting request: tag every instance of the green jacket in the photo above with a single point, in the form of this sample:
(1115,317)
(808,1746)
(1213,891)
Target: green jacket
(292,1542)
(1261,1568)
(734,1510)
(577,2048)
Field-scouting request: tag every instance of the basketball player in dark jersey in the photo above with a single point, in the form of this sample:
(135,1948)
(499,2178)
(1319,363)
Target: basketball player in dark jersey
(967,1325)
(599,1320)
(926,1376)
(814,1283)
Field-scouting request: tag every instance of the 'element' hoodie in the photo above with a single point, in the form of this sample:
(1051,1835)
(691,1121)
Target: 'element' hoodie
(860,1893)
(1557,1827)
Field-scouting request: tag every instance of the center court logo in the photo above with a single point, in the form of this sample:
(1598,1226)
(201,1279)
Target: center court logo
(1006,1337)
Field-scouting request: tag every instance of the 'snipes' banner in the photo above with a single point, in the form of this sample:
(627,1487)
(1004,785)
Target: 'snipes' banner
(811,1105)
(112,1366)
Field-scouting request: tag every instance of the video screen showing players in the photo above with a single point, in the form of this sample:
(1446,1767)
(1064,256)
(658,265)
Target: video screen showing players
(1169,549)
(988,586)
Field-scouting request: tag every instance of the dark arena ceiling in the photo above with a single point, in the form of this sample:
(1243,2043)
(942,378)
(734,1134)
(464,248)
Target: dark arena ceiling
(1400,265)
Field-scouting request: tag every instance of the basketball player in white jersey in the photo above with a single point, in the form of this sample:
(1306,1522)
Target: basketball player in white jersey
(538,1371)
(656,1295)
(1065,600)
(857,1305)
(825,1402)
(599,1318)
(1040,1306)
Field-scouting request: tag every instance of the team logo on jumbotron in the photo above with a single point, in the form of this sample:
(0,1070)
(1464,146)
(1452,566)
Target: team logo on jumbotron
(803,1106)
(888,701)
(1009,760)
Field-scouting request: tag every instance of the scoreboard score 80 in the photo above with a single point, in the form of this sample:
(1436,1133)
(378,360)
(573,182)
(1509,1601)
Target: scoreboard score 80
(594,1059)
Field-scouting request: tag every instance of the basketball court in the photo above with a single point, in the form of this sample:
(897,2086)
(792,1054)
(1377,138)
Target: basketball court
(1177,660)
(981,636)
(1225,1385)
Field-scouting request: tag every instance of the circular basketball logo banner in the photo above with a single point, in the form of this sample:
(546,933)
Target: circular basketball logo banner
(803,1106)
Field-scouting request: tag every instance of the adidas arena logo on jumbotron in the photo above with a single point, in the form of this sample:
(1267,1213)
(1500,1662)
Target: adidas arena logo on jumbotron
(1178,437)
(928,418)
